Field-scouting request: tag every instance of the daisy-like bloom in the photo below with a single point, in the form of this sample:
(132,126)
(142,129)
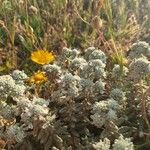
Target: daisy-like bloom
(42,57)
(37,78)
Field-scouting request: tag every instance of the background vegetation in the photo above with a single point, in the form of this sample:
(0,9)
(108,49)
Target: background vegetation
(109,25)
(28,25)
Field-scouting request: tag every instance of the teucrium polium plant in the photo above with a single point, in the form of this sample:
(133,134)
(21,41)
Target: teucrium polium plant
(83,102)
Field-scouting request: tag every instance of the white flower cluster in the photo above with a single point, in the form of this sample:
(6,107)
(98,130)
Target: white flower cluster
(92,53)
(52,70)
(8,87)
(19,76)
(139,68)
(107,110)
(104,111)
(77,64)
(119,72)
(93,70)
(83,76)
(102,145)
(119,144)
(75,78)
(30,110)
(123,144)
(140,49)
(118,95)
(69,53)
(67,88)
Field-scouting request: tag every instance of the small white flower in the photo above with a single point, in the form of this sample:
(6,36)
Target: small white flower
(40,101)
(88,51)
(85,85)
(40,110)
(98,54)
(117,71)
(69,53)
(9,87)
(140,49)
(112,115)
(102,145)
(52,70)
(118,95)
(77,64)
(139,68)
(19,75)
(99,119)
(92,53)
(113,104)
(94,70)
(103,111)
(99,87)
(123,144)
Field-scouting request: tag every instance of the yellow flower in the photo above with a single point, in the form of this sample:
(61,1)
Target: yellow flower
(37,78)
(42,57)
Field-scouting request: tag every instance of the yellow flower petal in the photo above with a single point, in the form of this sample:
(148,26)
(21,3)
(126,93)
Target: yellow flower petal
(42,57)
(37,78)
